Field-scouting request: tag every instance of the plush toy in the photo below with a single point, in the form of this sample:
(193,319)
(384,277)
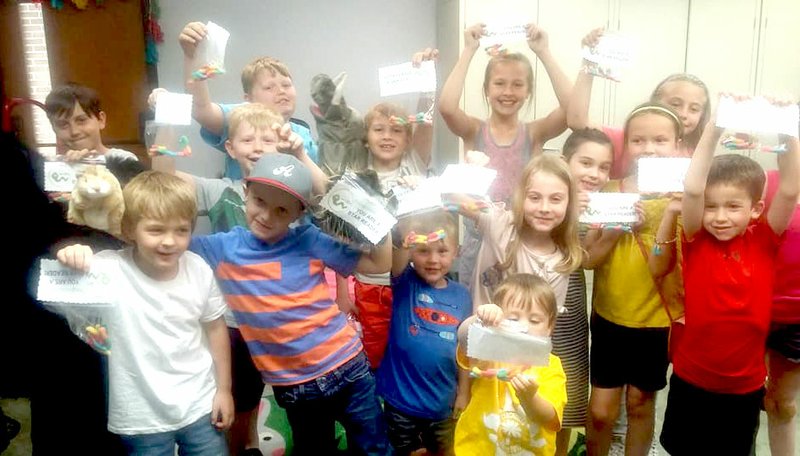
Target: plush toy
(341,129)
(97,200)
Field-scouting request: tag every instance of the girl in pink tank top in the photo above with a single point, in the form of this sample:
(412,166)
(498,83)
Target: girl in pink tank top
(503,137)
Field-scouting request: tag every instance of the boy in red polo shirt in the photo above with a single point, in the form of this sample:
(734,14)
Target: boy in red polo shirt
(718,376)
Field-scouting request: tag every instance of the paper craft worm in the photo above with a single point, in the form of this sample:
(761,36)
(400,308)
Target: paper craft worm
(743,141)
(207,71)
(416,239)
(183,143)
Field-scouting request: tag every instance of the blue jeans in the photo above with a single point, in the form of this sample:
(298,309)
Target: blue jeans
(347,395)
(200,438)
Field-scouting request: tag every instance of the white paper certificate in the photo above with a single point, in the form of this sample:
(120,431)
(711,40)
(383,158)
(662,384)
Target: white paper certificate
(355,207)
(757,115)
(404,78)
(466,179)
(174,108)
(662,174)
(504,34)
(59,176)
(59,283)
(610,208)
(426,196)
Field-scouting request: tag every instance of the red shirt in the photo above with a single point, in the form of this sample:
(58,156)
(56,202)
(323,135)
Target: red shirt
(786,295)
(728,300)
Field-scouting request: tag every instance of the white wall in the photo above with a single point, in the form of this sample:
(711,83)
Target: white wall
(310,36)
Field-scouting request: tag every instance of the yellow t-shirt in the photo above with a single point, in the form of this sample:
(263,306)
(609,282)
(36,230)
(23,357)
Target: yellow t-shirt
(624,290)
(494,422)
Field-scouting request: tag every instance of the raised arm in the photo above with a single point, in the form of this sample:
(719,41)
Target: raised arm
(291,143)
(378,260)
(666,239)
(456,119)
(555,123)
(578,109)
(209,115)
(400,253)
(422,141)
(694,185)
(166,164)
(783,204)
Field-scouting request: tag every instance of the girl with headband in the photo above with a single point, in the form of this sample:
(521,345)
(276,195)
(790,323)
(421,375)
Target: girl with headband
(629,326)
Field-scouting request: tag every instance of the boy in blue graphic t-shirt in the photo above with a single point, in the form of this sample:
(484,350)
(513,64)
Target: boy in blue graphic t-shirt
(418,377)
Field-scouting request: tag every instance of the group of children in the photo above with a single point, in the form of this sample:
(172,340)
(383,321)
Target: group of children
(176,378)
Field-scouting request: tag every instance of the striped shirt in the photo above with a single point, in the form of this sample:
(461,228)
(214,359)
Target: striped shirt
(279,297)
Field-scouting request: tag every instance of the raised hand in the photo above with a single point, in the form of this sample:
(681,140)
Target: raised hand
(423,55)
(289,142)
(473,34)
(537,38)
(191,35)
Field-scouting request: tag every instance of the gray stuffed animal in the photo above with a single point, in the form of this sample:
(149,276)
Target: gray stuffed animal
(340,128)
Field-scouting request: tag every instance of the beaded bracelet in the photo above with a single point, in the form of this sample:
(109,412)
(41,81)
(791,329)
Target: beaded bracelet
(413,239)
(658,250)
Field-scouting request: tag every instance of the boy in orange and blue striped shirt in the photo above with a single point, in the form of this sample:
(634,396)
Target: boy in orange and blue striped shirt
(272,278)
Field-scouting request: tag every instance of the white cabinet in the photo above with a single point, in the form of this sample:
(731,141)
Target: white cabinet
(746,46)
(722,48)
(567,22)
(778,68)
(659,29)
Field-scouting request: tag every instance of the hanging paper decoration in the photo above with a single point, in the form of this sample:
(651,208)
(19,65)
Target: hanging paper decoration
(80,4)
(152,31)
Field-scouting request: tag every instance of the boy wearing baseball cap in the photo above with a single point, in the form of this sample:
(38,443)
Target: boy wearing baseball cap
(272,278)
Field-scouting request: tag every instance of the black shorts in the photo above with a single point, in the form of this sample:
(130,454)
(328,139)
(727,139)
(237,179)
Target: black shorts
(785,339)
(409,433)
(701,422)
(622,356)
(247,387)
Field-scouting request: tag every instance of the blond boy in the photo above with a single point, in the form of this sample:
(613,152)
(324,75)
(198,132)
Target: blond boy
(169,374)
(264,80)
